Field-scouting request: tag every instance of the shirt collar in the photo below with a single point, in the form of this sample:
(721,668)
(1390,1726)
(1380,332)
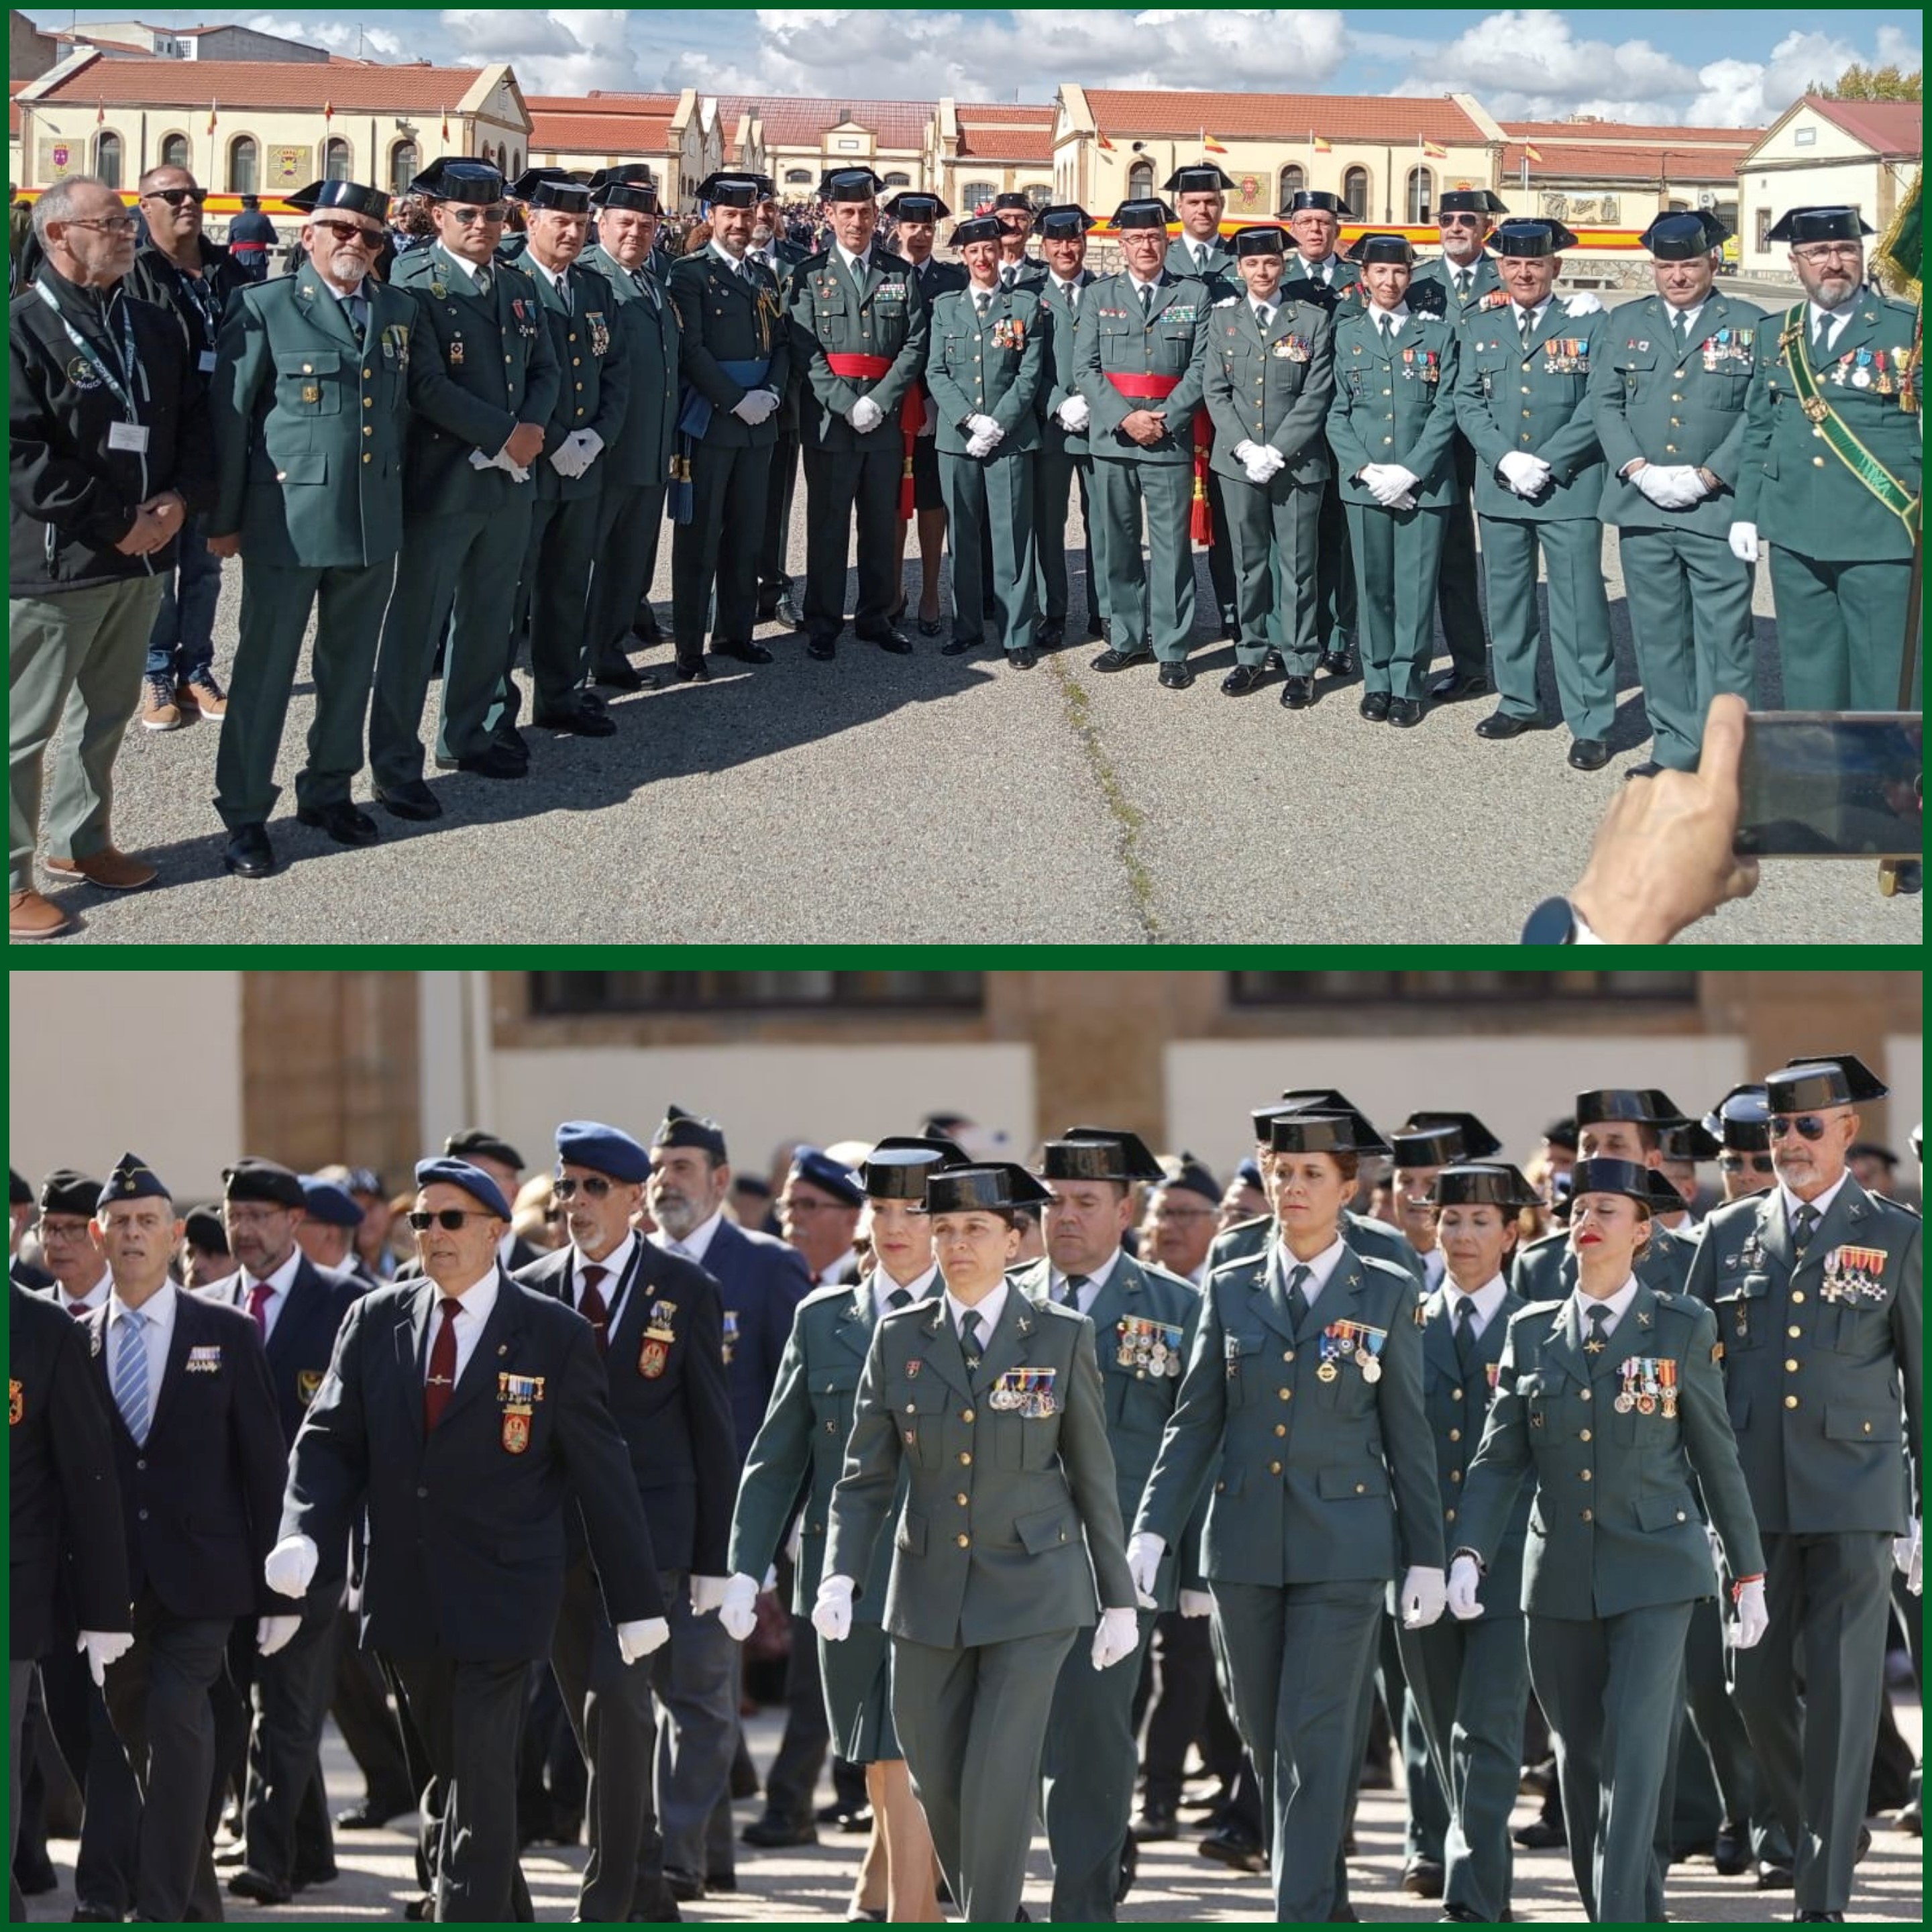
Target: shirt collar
(479,1298)
(1398,315)
(1065,285)
(466,269)
(1535,314)
(698,1242)
(1619,1305)
(158,1312)
(1823,1203)
(95,1296)
(835,1272)
(1488,1299)
(283,1279)
(1319,1269)
(1690,314)
(856,265)
(1095,1282)
(988,1311)
(1840,313)
(1159,275)
(883,1285)
(613,1263)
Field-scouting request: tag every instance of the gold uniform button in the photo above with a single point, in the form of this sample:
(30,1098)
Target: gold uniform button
(1677,376)
(1866,1427)
(1582,1435)
(1448,1516)
(1457,1394)
(1584,1474)
(1455,1475)
(367,457)
(965,1541)
(968,1414)
(1588,1517)
(1794,1332)
(367,373)
(1797,1295)
(1817,462)
(1388,439)
(961,1499)
(308,368)
(368,429)
(368,402)
(1361,1489)
(1455,1436)
(1288,1354)
(912,1408)
(1284,1393)
(1791,1402)
(1585,1393)
(1274,1469)
(1281,1428)
(1680,1516)
(1790,1368)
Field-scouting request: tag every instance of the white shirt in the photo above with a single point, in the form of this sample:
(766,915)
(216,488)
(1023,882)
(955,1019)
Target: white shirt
(988,1311)
(835,1272)
(158,1312)
(1265,311)
(1389,321)
(1319,1269)
(693,1246)
(1198,252)
(1137,284)
(504,1247)
(613,1264)
(1096,1281)
(96,1297)
(1689,316)
(856,266)
(278,1285)
(476,1303)
(1618,1304)
(1823,1203)
(884,1288)
(724,255)
(1840,316)
(1434,1266)
(1323,271)
(1488,1299)
(1535,314)
(558,278)
(1070,290)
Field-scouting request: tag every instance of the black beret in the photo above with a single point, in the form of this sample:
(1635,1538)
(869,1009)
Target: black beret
(481,1140)
(66,1192)
(252,1178)
(680,1128)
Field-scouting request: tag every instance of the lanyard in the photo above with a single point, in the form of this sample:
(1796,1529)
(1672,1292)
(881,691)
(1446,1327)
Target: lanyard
(195,288)
(123,384)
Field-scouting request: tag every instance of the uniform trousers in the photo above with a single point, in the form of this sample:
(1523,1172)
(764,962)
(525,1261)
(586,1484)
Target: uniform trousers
(157,1695)
(992,496)
(181,644)
(458,571)
(728,488)
(1830,1600)
(1457,599)
(110,1820)
(276,602)
(1579,619)
(1721,1735)
(20,1689)
(1690,623)
(1841,630)
(839,483)
(553,599)
(629,519)
(1334,577)
(359,1703)
(1184,1707)
(1397,554)
(774,579)
(973,1719)
(695,1676)
(1299,1655)
(1152,597)
(1056,475)
(1612,1688)
(792,1783)
(1275,532)
(1220,551)
(285,1813)
(74,661)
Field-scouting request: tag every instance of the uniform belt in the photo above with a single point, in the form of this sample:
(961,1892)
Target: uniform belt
(1152,389)
(912,410)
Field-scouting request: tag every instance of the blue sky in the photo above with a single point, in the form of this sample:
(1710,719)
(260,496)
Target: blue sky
(1731,69)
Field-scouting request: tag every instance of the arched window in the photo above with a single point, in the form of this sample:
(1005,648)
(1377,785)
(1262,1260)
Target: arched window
(898,181)
(1293,181)
(174,151)
(1039,194)
(974,192)
(107,158)
(1680,208)
(798,177)
(335,160)
(1355,191)
(1140,181)
(516,166)
(402,166)
(244,166)
(1421,195)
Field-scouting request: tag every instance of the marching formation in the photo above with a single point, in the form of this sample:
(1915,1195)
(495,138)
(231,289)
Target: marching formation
(475,457)
(1054,1489)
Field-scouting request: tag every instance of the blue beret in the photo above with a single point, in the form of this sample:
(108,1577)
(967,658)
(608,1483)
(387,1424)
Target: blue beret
(334,1206)
(471,1180)
(1249,1172)
(132,1179)
(840,1183)
(603,1150)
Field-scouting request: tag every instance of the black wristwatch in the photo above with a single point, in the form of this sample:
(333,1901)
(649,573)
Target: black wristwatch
(1557,922)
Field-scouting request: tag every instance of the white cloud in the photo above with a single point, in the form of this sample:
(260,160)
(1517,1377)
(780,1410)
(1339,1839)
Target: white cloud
(1752,93)
(370,43)
(558,50)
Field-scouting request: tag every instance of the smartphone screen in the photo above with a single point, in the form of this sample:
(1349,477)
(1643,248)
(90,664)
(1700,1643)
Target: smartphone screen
(1831,784)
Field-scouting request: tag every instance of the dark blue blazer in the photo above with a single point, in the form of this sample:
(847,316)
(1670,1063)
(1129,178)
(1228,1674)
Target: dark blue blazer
(762,1280)
(467,1541)
(303,1336)
(677,1422)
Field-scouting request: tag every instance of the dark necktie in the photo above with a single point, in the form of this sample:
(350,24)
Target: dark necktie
(1524,322)
(442,1383)
(1465,1333)
(1070,1295)
(969,1338)
(1462,278)
(79,1310)
(900,1297)
(1804,1225)
(1265,315)
(1821,339)
(1599,1315)
(482,281)
(357,310)
(1147,301)
(258,1306)
(1680,329)
(1382,323)
(981,297)
(1008,274)
(593,1308)
(1297,1302)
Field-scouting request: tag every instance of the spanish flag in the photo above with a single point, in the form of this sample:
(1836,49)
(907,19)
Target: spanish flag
(212,116)
(1101,142)
(99,112)
(1210,146)
(1320,146)
(445,124)
(328,112)
(1530,153)
(1435,151)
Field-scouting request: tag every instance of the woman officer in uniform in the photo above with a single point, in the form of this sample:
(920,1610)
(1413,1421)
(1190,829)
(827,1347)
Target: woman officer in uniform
(1612,1400)
(1008,1530)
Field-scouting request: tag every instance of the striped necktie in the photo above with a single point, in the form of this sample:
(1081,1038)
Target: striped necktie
(131,1372)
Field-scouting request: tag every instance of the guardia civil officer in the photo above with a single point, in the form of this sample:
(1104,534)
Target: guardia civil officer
(1426,1143)
(1391,427)
(1611,1400)
(1144,1320)
(1523,403)
(986,352)
(1668,398)
(637,471)
(1815,1288)
(859,326)
(1830,470)
(1742,1122)
(1302,1398)
(735,360)
(1012,212)
(1270,375)
(1142,341)
(991,1404)
(801,1444)
(1063,461)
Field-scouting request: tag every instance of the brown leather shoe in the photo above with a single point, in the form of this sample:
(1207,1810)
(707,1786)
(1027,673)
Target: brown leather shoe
(30,916)
(202,693)
(160,711)
(113,872)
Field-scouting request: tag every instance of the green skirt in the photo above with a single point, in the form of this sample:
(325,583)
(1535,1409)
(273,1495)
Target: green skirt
(857,1677)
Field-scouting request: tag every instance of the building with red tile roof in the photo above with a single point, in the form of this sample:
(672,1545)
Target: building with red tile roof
(1860,154)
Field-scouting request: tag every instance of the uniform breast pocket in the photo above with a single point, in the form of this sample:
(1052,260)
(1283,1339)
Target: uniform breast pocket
(309,384)
(1864,1329)
(920,1407)
(1537,1391)
(1743,1312)
(1243,1356)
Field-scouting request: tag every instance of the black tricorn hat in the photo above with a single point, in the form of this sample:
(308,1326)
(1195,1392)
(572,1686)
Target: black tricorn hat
(1320,199)
(1002,1187)
(974,228)
(628,185)
(1482,1183)
(1143,212)
(1688,1140)
(915,205)
(1434,1138)
(1814,1080)
(450,178)
(1382,248)
(1099,1154)
(1648,1106)
(1820,224)
(1644,1185)
(1323,1133)
(1740,1120)
(1062,222)
(849,183)
(1470,201)
(897,1168)
(1265,238)
(1683,234)
(1197,178)
(352,197)
(1538,237)
(731,189)
(556,188)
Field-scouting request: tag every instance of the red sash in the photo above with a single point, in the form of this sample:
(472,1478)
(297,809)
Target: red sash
(1153,389)
(912,410)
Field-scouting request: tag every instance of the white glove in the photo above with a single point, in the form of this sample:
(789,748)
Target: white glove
(1581,303)
(1754,1619)
(103,1648)
(1672,487)
(1197,1603)
(565,460)
(478,460)
(978,445)
(1905,1554)
(272,1633)
(753,406)
(985,429)
(1405,482)
(707,1594)
(865,416)
(932,422)
(1423,1597)
(1074,414)
(1144,1551)
(1465,1580)
(1522,472)
(1246,455)
(1743,540)
(832,1613)
(1258,472)
(637,1639)
(291,1566)
(1117,1637)
(590,444)
(738,1612)
(1380,480)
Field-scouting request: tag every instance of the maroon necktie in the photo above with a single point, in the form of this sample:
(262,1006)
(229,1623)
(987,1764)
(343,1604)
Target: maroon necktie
(258,1306)
(592,1307)
(442,1383)
(79,1310)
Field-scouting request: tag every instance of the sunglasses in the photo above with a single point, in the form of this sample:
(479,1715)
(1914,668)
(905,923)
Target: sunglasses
(1810,1125)
(351,231)
(175,196)
(491,216)
(423,1219)
(594,1185)
(1744,1163)
(1459,221)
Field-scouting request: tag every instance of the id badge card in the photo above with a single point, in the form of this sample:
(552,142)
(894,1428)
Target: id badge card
(207,363)
(132,437)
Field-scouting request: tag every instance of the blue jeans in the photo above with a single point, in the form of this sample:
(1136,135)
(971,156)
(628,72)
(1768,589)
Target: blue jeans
(182,642)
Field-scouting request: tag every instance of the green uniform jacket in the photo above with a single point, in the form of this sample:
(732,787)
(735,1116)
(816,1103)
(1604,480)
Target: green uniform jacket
(787,255)
(1057,379)
(830,316)
(1819,1413)
(1797,492)
(651,345)
(1433,290)
(1314,1481)
(1112,337)
(309,428)
(495,350)
(803,1436)
(593,380)
(1615,1524)
(1395,402)
(1538,403)
(1180,262)
(1342,292)
(730,318)
(990,365)
(1273,389)
(1545,1270)
(1363,1232)
(1010,1524)
(1649,403)
(1139,1396)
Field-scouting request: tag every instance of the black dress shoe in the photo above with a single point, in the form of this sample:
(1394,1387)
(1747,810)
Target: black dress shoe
(1774,1875)
(411,799)
(1376,706)
(1730,1851)
(774,1831)
(887,639)
(1052,634)
(347,824)
(1156,1822)
(495,762)
(1819,1918)
(1540,1834)
(248,854)
(36,1876)
(1231,622)
(1461,1915)
(859,1916)
(249,1883)
(931,627)
(824,649)
(1176,676)
(1233,1848)
(1338,664)
(746,653)
(686,1887)
(1298,693)
(1589,755)
(302,1878)
(512,741)
(1113,660)
(581,721)
(620,674)
(1024,658)
(373,1814)
(957,647)
(1453,684)
(690,670)
(1422,1878)
(1405,712)
(419,1911)
(721,1881)
(1500,724)
(1242,680)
